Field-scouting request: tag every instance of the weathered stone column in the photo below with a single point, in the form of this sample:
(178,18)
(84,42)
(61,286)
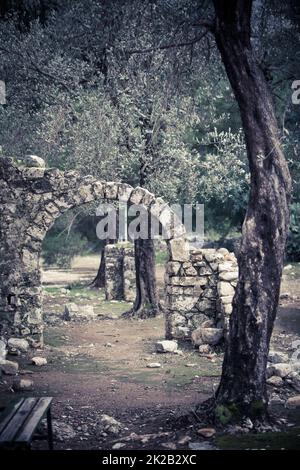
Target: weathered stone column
(20,245)
(119,272)
(31,198)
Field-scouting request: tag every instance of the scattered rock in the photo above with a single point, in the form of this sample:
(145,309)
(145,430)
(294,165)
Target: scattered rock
(201,446)
(75,312)
(34,162)
(39,361)
(110,424)
(294,380)
(191,364)
(206,432)
(276,400)
(179,352)
(284,295)
(184,440)
(211,336)
(247,423)
(275,381)
(9,367)
(63,431)
(21,385)
(153,365)
(293,402)
(20,344)
(277,357)
(169,445)
(281,370)
(166,346)
(118,445)
(205,349)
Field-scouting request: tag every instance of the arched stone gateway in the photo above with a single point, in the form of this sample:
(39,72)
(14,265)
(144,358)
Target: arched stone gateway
(32,197)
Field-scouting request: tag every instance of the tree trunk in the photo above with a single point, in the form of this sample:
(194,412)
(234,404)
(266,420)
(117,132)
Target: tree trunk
(146,303)
(242,390)
(99,280)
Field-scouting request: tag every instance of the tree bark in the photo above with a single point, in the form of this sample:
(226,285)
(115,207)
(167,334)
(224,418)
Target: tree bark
(146,304)
(99,280)
(242,390)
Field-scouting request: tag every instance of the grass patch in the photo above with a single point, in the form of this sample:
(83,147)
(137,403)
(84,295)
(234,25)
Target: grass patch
(161,257)
(82,364)
(270,440)
(56,338)
(171,375)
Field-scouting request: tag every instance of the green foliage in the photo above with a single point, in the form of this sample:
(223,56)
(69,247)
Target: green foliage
(223,179)
(70,235)
(61,252)
(223,414)
(293,243)
(161,256)
(81,96)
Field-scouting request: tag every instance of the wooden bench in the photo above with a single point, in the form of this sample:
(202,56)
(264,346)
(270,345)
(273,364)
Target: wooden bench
(19,423)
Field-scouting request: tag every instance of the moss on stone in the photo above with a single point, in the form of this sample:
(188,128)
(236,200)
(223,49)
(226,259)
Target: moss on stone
(223,414)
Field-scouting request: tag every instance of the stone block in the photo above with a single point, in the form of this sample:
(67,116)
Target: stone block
(229,276)
(179,249)
(20,344)
(225,289)
(166,346)
(173,267)
(211,336)
(34,161)
(110,190)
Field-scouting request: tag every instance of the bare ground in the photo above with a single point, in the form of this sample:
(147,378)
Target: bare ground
(101,368)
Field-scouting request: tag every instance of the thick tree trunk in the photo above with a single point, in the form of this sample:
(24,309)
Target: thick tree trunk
(146,303)
(242,390)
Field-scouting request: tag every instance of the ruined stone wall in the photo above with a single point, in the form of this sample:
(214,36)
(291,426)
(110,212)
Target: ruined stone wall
(31,198)
(199,284)
(119,272)
(200,287)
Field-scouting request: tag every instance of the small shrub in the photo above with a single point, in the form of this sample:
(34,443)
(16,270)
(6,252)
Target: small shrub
(293,243)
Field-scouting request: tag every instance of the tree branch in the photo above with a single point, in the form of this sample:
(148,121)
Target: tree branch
(171,45)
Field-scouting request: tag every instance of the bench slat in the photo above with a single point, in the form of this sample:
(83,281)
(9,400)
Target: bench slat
(10,412)
(33,419)
(19,418)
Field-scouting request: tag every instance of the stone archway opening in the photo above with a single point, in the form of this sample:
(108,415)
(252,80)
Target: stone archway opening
(33,199)
(199,284)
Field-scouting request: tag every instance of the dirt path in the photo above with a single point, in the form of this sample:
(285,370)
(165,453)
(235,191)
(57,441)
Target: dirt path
(101,368)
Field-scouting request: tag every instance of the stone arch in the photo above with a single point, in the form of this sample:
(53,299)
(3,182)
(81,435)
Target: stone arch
(32,198)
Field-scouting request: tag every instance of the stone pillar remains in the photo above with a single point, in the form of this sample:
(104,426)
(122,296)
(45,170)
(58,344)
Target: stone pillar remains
(119,272)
